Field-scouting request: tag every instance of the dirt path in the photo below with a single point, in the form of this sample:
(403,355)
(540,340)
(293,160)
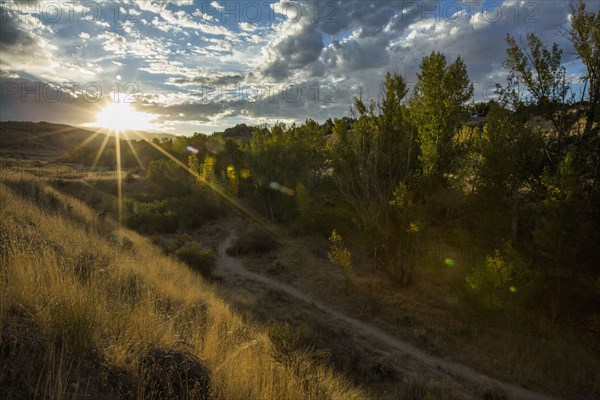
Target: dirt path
(234,266)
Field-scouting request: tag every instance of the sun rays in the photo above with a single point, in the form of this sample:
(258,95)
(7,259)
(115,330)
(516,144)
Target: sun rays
(122,117)
(121,121)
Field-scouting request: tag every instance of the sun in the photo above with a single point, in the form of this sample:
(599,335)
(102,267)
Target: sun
(122,117)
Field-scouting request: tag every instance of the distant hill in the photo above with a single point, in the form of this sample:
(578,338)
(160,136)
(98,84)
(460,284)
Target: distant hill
(24,139)
(137,135)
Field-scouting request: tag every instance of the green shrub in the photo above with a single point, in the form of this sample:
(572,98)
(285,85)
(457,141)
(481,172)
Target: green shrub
(253,241)
(199,259)
(339,255)
(166,178)
(497,279)
(153,217)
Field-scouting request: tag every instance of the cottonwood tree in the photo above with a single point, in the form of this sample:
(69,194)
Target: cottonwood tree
(438,108)
(541,73)
(283,157)
(537,68)
(584,34)
(370,160)
(512,162)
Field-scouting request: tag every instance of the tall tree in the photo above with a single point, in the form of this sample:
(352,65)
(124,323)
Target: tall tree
(438,108)
(370,160)
(283,157)
(538,69)
(584,34)
(541,71)
(512,162)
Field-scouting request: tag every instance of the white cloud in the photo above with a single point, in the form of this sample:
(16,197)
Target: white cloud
(248,27)
(217,6)
(114,43)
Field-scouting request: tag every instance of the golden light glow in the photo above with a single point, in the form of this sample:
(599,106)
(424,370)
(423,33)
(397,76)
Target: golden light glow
(121,116)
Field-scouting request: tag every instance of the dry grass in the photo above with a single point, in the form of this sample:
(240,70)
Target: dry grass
(89,310)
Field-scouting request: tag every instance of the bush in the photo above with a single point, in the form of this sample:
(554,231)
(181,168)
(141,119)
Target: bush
(166,178)
(154,217)
(166,216)
(496,280)
(194,210)
(339,255)
(199,259)
(252,242)
(174,374)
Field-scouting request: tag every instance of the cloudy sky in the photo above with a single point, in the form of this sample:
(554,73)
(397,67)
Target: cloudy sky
(191,65)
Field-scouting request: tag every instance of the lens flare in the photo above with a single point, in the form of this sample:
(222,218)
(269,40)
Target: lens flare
(274,185)
(449,262)
(245,174)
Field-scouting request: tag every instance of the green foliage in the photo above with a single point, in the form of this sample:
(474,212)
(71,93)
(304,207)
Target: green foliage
(168,179)
(538,68)
(370,161)
(437,109)
(584,34)
(281,158)
(169,215)
(562,229)
(199,259)
(339,255)
(207,174)
(511,158)
(152,217)
(494,281)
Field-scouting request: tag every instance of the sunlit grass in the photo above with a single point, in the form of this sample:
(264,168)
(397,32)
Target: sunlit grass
(79,311)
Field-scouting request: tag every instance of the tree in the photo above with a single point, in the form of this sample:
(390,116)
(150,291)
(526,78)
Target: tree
(584,34)
(167,178)
(539,69)
(369,161)
(541,72)
(512,161)
(282,157)
(438,108)
(562,230)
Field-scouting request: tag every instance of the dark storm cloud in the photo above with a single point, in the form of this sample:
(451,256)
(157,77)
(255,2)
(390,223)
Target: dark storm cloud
(372,16)
(11,34)
(22,99)
(215,78)
(293,101)
(381,36)
(299,46)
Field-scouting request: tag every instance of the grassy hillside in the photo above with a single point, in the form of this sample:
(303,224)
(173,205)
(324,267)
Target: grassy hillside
(27,139)
(89,310)
(44,140)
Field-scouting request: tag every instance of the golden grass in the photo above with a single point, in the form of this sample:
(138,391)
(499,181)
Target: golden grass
(84,301)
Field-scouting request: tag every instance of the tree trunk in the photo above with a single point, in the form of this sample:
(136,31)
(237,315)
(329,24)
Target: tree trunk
(514,225)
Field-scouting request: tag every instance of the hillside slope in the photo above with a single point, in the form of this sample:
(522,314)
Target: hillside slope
(89,310)
(27,139)
(24,139)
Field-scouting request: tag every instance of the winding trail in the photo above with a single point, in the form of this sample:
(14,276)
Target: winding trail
(234,266)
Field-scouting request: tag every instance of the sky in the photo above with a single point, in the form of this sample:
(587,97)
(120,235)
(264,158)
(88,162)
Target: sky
(201,66)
